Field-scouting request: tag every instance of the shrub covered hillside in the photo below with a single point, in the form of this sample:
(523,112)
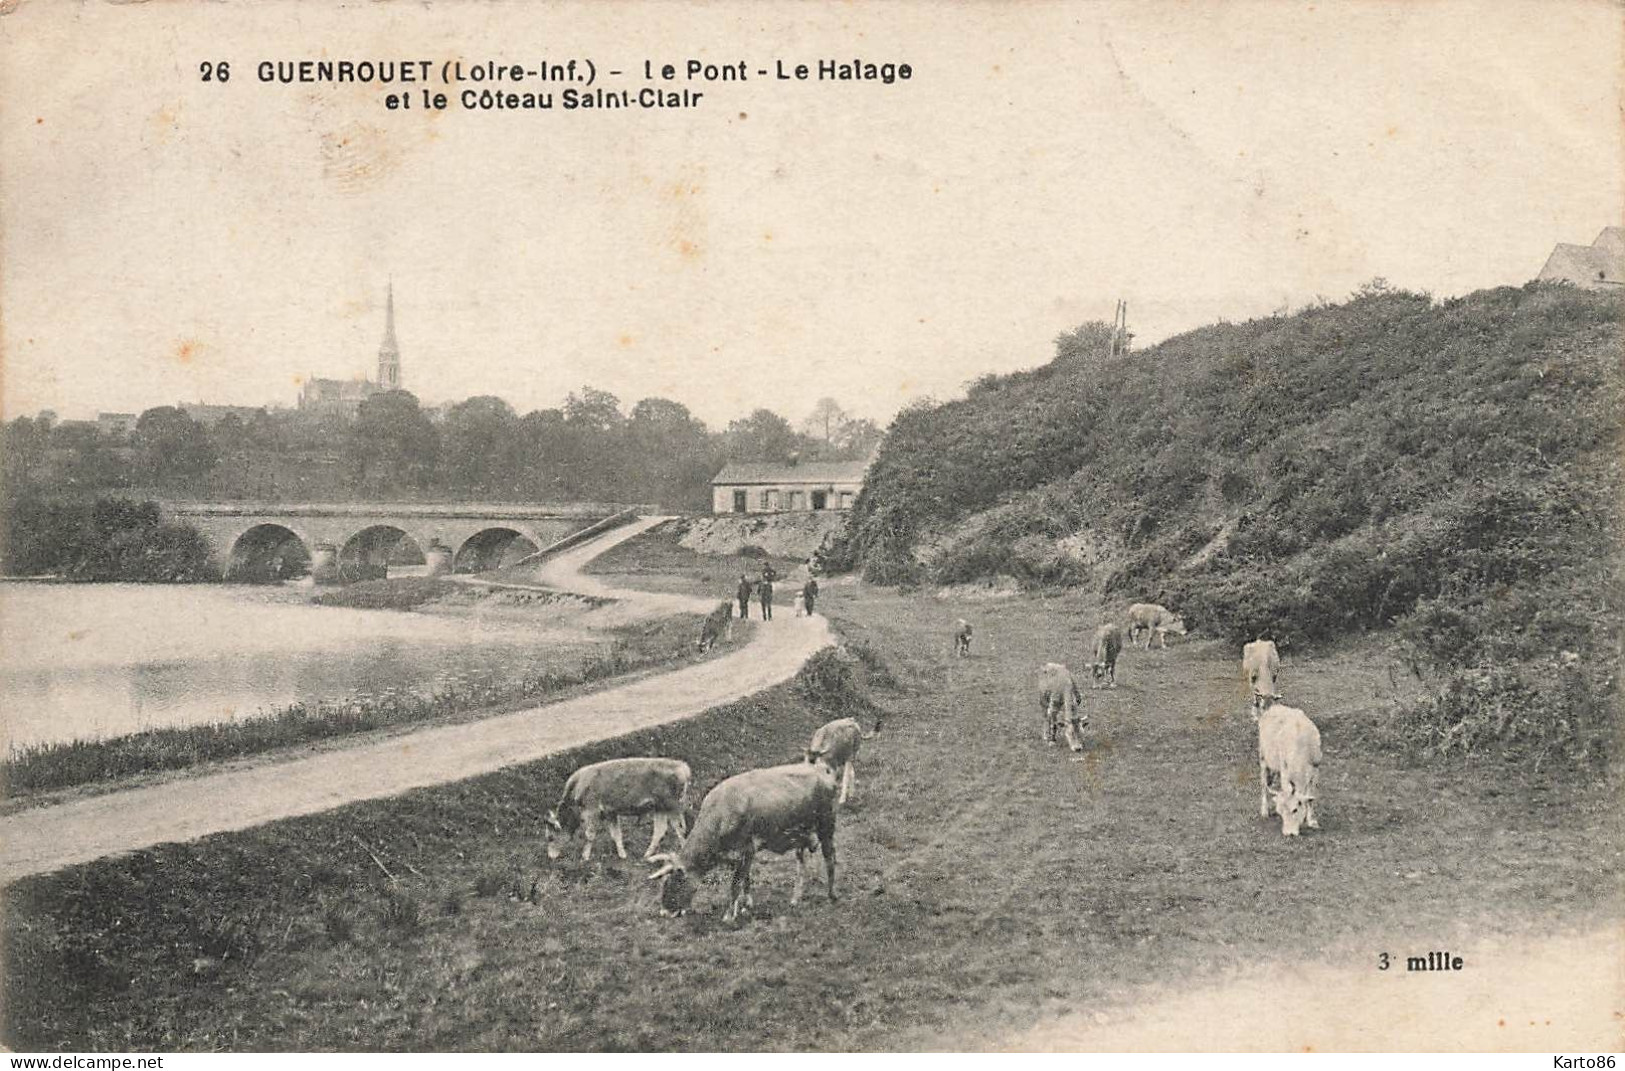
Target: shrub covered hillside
(1448,469)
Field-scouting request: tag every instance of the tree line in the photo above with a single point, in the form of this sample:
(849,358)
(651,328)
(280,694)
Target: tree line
(591,448)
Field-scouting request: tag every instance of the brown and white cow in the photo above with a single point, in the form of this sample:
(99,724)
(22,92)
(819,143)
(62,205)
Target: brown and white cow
(962,635)
(1058,694)
(835,744)
(719,625)
(615,789)
(1155,622)
(781,809)
(1108,645)
(1261,666)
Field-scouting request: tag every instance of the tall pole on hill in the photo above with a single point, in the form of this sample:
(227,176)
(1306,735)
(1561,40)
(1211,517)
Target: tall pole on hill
(1119,345)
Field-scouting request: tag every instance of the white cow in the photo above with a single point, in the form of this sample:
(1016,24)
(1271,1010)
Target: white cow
(1155,622)
(781,808)
(835,744)
(1261,665)
(614,789)
(1289,748)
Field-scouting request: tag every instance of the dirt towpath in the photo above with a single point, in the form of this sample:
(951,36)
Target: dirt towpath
(47,838)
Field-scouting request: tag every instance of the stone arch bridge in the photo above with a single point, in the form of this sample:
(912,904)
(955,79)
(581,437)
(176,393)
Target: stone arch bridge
(262,541)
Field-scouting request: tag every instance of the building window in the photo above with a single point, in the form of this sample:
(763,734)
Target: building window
(795,500)
(770,499)
(846,499)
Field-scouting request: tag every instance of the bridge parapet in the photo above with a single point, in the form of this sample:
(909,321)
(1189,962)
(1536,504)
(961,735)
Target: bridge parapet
(474,536)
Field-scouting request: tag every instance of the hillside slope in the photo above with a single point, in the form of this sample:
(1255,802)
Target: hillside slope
(1450,469)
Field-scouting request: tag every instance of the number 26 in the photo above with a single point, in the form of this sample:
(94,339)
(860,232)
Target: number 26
(215,72)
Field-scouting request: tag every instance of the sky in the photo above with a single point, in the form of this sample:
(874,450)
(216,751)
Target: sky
(164,239)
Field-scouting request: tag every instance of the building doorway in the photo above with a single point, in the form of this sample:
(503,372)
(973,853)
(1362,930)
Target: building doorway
(819,499)
(739,502)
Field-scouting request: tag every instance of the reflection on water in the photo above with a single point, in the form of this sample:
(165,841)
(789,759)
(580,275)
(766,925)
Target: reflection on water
(98,660)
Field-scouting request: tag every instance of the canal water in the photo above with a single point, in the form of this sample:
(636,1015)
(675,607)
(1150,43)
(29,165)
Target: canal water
(103,660)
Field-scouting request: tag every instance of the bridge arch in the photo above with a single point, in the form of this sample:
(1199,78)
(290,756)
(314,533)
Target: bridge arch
(267,553)
(493,548)
(370,553)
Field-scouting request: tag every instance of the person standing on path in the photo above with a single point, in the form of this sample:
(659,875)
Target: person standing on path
(809,595)
(764,592)
(743,595)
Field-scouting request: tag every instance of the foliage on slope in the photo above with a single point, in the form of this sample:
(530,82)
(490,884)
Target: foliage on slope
(1451,469)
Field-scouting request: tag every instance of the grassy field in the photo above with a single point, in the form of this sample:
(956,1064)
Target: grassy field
(989,882)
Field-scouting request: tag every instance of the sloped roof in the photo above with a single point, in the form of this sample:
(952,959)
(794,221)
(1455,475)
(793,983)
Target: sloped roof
(1584,265)
(781,472)
(1611,241)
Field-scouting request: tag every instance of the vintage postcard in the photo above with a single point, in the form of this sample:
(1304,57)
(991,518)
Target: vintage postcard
(700,526)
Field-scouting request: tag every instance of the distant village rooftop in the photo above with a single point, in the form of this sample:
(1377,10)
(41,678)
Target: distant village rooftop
(1598,266)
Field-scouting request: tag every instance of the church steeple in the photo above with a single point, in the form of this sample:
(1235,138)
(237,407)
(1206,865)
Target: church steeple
(389,354)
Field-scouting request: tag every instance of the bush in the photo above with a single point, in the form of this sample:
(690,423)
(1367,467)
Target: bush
(110,539)
(401,912)
(1447,468)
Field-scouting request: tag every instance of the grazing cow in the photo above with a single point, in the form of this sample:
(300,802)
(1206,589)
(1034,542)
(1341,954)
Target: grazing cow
(1058,693)
(615,789)
(1261,665)
(1108,645)
(1155,622)
(835,744)
(962,635)
(719,624)
(1289,747)
(781,809)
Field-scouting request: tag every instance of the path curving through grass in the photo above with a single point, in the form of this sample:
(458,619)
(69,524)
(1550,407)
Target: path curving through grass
(48,838)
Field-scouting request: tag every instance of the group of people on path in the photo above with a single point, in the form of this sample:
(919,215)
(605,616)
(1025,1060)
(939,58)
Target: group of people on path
(763,590)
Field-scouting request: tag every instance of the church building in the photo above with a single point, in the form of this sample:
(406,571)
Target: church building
(343,397)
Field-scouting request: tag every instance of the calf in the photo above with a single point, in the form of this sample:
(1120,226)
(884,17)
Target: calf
(1108,645)
(1289,747)
(1155,622)
(781,808)
(615,789)
(1058,693)
(1261,665)
(835,744)
(962,635)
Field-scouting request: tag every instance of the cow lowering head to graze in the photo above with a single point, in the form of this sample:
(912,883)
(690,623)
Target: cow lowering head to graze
(1108,645)
(835,744)
(1261,665)
(962,635)
(615,789)
(1059,695)
(781,809)
(719,624)
(1289,748)
(1154,622)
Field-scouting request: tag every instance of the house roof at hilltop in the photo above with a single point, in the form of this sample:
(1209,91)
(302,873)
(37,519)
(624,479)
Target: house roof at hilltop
(1611,241)
(1585,264)
(784,472)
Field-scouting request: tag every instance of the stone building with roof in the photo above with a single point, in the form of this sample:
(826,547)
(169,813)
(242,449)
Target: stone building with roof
(1598,266)
(758,487)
